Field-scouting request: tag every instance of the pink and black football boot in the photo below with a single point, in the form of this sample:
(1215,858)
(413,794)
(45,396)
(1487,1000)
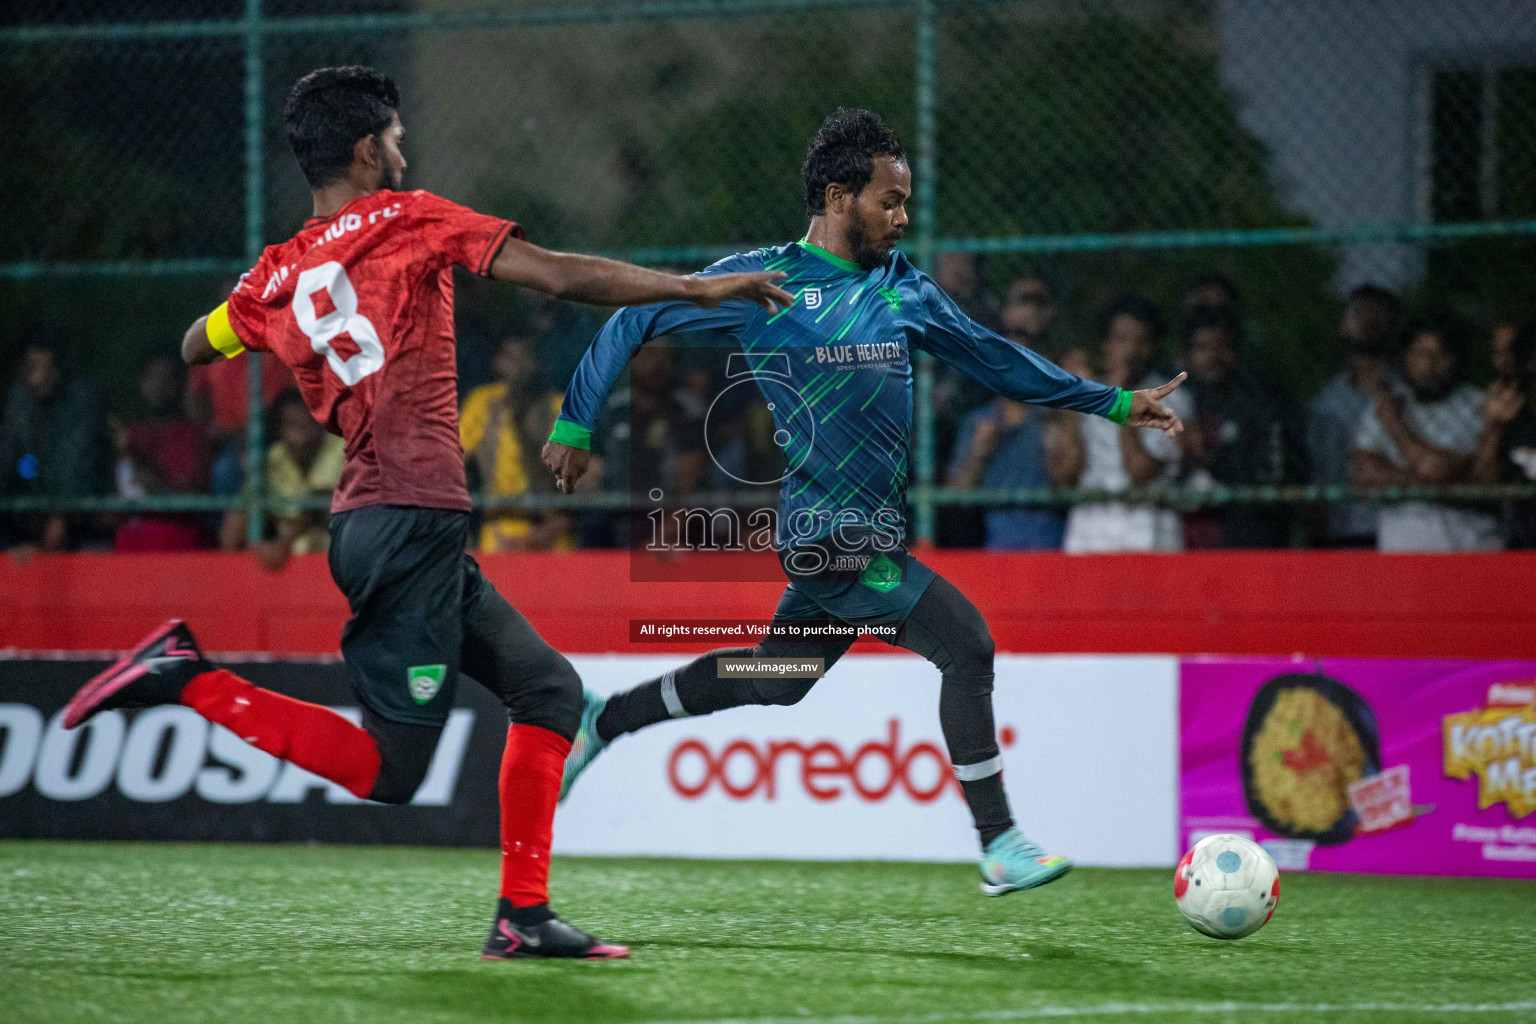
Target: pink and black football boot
(155,672)
(550,938)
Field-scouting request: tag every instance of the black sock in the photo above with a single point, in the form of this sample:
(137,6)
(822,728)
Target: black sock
(989,806)
(632,710)
(523,917)
(696,689)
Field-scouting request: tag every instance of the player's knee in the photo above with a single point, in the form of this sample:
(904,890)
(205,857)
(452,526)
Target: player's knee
(973,655)
(551,698)
(782,691)
(405,753)
(396,787)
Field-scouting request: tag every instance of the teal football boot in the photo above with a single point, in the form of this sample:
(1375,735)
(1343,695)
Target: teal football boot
(587,744)
(1012,862)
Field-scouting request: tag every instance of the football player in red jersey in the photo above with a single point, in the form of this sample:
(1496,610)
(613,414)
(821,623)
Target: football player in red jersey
(359,304)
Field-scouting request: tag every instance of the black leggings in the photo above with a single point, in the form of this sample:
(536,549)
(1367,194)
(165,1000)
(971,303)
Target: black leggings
(944,627)
(505,654)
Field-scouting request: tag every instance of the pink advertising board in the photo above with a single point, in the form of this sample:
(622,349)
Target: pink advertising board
(1418,767)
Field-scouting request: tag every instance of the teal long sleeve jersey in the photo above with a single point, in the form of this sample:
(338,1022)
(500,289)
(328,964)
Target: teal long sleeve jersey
(836,370)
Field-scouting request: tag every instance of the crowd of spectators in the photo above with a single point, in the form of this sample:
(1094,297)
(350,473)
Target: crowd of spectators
(1401,410)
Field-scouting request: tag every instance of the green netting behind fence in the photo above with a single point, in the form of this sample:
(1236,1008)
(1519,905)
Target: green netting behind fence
(1299,147)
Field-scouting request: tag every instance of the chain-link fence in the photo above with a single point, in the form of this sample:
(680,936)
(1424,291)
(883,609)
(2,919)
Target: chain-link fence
(1297,149)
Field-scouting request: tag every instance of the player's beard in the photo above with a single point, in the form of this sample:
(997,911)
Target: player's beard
(394,179)
(864,253)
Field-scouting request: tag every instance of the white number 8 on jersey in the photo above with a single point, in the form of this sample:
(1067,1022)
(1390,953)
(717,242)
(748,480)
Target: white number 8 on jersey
(344,319)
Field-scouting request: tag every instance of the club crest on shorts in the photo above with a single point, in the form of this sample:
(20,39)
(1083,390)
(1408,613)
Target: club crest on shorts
(424,681)
(882,574)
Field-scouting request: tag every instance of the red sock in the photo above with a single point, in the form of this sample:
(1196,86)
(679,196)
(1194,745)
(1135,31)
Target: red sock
(312,737)
(531,767)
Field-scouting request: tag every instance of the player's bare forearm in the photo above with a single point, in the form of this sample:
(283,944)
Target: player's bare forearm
(604,282)
(196,349)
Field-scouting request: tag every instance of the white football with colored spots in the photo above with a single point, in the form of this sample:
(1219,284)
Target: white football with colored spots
(1226,886)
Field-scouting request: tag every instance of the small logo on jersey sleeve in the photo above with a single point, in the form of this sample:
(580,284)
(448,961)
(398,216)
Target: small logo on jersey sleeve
(892,298)
(424,681)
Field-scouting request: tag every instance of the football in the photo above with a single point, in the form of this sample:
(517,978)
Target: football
(1226,886)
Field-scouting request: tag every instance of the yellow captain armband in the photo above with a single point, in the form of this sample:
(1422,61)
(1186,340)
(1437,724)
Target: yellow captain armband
(221,335)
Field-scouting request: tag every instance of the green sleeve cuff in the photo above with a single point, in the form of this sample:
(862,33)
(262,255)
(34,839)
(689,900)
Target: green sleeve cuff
(1121,410)
(576,436)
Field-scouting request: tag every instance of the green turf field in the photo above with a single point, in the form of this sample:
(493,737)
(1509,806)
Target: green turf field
(278,934)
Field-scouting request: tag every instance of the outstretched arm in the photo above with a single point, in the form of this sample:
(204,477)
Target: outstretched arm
(196,349)
(605,282)
(210,338)
(568,451)
(1024,375)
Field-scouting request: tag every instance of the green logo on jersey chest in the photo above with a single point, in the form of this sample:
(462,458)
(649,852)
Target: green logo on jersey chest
(892,298)
(424,681)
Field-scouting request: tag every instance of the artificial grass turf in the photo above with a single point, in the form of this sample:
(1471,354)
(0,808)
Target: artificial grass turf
(269,934)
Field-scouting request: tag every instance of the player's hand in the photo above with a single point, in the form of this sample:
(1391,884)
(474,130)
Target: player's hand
(1148,410)
(758,287)
(570,464)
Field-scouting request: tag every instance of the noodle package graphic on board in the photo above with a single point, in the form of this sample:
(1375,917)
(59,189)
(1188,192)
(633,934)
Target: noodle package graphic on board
(1307,741)
(1384,766)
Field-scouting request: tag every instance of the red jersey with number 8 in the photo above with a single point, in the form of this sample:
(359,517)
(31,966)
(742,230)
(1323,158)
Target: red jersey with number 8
(360,307)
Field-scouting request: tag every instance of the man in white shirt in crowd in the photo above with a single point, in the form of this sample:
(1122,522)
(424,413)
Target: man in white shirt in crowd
(1370,333)
(1425,431)
(1107,457)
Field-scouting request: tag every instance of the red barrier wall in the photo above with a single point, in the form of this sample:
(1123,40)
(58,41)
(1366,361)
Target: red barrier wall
(1320,603)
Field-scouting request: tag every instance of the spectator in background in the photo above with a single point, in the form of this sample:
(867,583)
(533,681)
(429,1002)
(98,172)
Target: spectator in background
(959,275)
(1027,317)
(1370,333)
(1506,450)
(303,462)
(649,443)
(699,388)
(1424,431)
(1210,289)
(502,426)
(218,397)
(1502,342)
(1003,444)
(1030,312)
(53,444)
(1099,455)
(1246,431)
(163,452)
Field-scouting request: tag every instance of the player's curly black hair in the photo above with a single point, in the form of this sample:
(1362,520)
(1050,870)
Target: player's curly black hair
(843,151)
(329,110)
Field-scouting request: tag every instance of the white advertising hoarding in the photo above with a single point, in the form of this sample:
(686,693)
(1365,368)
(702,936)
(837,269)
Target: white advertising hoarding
(858,769)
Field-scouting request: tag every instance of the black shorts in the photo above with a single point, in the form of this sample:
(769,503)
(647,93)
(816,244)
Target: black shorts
(422,611)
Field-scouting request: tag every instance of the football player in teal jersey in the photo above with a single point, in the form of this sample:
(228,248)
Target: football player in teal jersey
(841,383)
